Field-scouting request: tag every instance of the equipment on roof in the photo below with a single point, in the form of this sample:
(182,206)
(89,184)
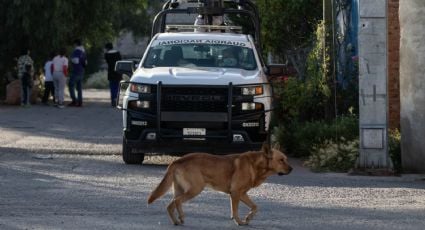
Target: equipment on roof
(210,15)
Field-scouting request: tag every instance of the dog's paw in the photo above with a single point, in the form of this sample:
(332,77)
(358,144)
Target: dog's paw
(249,218)
(177,222)
(181,221)
(241,223)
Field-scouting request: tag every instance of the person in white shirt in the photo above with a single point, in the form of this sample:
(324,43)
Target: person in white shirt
(59,72)
(49,87)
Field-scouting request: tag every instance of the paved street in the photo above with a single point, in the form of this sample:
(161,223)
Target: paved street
(92,129)
(59,170)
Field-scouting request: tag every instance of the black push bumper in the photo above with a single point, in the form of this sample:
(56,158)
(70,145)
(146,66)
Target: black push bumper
(179,146)
(159,131)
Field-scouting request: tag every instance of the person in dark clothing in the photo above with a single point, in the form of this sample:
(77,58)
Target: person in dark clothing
(114,78)
(79,63)
(26,85)
(49,87)
(24,60)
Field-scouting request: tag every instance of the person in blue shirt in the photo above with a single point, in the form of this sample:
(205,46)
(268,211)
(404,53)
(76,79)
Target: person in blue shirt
(78,64)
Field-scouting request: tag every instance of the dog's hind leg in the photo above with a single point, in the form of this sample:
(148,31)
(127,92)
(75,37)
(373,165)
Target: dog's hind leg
(170,208)
(188,187)
(245,198)
(185,197)
(178,191)
(231,211)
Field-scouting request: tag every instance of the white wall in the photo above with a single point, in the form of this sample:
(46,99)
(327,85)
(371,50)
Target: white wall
(412,84)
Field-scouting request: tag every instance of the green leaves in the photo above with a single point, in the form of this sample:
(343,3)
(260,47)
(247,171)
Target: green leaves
(288,24)
(45,26)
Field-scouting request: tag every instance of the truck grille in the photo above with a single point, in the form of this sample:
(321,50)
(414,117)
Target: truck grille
(194,99)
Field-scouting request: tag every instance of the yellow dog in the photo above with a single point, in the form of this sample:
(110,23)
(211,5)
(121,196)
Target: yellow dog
(232,174)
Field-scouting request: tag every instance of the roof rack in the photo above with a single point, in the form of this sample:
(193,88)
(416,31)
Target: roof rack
(205,28)
(209,8)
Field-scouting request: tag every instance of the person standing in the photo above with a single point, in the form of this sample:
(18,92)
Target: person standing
(114,78)
(23,60)
(79,63)
(26,80)
(59,70)
(49,87)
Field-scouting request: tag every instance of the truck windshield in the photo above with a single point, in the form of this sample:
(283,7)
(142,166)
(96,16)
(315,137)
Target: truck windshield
(200,55)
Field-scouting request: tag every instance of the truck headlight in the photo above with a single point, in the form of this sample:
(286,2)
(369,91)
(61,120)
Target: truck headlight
(251,106)
(139,88)
(143,104)
(252,90)
(139,104)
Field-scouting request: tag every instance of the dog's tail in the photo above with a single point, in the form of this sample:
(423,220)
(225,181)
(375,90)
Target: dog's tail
(163,186)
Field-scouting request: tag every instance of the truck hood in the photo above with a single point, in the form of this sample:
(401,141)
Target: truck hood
(196,76)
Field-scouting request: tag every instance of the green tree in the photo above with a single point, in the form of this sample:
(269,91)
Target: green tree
(287,28)
(44,26)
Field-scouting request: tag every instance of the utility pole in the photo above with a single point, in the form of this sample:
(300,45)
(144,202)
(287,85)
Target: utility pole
(373,100)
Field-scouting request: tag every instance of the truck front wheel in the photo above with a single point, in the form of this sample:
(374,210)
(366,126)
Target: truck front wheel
(128,156)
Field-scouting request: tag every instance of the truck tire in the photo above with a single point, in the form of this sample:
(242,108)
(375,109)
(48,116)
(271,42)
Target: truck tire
(129,157)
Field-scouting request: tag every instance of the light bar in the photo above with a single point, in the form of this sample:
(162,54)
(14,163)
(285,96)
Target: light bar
(207,28)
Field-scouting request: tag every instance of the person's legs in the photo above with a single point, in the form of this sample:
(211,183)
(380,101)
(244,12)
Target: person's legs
(24,94)
(51,91)
(46,93)
(71,86)
(113,86)
(56,87)
(61,90)
(79,85)
(29,91)
(56,77)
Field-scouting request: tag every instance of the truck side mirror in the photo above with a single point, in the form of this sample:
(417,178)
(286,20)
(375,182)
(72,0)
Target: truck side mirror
(275,70)
(125,67)
(124,84)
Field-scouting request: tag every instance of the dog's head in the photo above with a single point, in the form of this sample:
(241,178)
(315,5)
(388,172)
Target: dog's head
(277,160)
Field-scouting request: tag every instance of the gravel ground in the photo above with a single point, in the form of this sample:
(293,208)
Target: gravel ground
(62,191)
(59,169)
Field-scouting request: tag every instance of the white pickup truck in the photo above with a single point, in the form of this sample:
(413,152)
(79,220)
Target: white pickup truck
(195,91)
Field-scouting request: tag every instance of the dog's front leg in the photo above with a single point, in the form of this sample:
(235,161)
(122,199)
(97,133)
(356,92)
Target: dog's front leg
(235,206)
(245,198)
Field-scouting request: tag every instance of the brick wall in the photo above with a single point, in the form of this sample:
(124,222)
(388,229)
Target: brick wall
(393,64)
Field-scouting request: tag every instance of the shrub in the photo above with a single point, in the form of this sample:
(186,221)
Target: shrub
(298,138)
(335,157)
(98,80)
(308,97)
(394,138)
(303,99)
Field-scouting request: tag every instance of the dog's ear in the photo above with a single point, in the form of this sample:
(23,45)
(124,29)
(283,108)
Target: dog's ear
(276,146)
(266,148)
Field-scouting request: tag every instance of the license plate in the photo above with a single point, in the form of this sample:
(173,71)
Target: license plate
(194,132)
